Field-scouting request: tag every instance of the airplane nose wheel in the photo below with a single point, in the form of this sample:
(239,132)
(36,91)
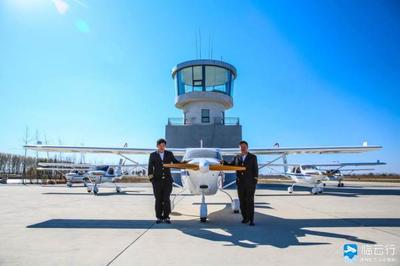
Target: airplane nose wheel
(317,189)
(118,189)
(95,189)
(314,191)
(203,206)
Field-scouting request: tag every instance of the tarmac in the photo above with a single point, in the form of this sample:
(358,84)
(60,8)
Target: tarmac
(56,225)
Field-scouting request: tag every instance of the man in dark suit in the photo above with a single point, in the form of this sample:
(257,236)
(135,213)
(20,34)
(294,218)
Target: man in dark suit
(161,179)
(246,181)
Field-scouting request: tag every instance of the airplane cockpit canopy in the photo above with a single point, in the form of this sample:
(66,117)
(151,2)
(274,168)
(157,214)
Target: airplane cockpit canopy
(202,153)
(102,168)
(309,167)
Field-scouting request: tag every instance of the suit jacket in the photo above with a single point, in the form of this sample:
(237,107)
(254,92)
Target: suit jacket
(250,175)
(156,170)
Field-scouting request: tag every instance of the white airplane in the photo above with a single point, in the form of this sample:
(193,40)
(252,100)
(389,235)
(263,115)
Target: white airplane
(73,173)
(202,173)
(312,175)
(91,175)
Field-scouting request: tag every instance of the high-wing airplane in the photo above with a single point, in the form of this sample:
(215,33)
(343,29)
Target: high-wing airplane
(202,171)
(73,173)
(312,175)
(91,175)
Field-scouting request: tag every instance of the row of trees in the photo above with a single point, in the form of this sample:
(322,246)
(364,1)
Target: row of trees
(13,164)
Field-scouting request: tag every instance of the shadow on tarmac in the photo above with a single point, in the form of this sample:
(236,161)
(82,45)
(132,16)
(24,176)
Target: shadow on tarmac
(225,227)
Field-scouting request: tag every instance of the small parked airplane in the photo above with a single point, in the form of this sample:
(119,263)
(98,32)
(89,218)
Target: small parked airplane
(91,175)
(202,172)
(73,173)
(312,175)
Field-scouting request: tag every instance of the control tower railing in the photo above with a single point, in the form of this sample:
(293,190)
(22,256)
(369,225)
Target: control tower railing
(227,121)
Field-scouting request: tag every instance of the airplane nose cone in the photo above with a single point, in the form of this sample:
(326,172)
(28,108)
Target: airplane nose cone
(204,167)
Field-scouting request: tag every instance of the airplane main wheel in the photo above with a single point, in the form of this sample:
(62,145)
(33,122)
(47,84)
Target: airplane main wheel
(314,191)
(235,204)
(89,191)
(69,184)
(203,219)
(290,189)
(118,189)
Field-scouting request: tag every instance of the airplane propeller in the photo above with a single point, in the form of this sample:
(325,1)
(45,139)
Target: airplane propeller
(214,167)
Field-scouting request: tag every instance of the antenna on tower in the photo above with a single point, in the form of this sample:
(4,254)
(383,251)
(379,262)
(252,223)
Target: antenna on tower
(199,44)
(212,46)
(209,45)
(197,55)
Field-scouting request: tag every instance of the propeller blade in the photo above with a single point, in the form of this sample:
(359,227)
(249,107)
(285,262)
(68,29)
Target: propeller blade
(182,166)
(220,167)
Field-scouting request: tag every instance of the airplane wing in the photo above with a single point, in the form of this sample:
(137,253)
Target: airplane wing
(217,167)
(66,165)
(105,150)
(303,150)
(349,169)
(61,169)
(339,165)
(348,164)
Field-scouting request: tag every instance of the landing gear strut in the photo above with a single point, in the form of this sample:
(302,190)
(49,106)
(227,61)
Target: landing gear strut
(203,205)
(235,203)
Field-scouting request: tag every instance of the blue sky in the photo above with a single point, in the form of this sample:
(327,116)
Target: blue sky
(98,72)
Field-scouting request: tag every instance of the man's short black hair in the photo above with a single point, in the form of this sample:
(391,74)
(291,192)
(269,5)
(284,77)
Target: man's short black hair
(161,141)
(243,142)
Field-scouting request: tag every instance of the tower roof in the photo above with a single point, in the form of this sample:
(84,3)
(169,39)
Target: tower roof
(204,62)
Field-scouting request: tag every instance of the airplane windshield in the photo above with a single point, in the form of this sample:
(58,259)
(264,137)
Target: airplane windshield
(309,167)
(202,153)
(102,168)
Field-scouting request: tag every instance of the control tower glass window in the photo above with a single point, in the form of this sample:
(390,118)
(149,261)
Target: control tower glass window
(205,115)
(204,78)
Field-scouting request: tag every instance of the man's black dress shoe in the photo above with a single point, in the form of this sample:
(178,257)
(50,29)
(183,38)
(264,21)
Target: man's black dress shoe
(158,221)
(251,223)
(245,221)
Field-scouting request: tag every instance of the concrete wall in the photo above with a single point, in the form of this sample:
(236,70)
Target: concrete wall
(216,136)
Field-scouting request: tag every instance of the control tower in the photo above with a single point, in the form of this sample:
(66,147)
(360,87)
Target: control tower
(204,90)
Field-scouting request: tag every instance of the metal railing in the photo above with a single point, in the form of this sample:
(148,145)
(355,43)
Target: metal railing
(228,121)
